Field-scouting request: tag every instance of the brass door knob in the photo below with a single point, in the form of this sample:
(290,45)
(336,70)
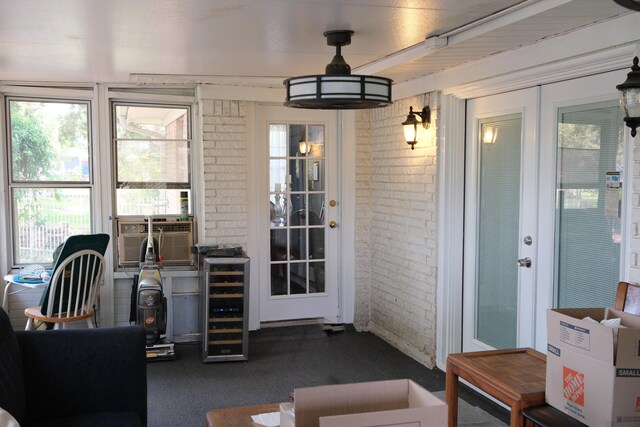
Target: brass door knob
(333,224)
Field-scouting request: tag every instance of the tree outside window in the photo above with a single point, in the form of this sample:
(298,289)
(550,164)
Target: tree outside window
(50,175)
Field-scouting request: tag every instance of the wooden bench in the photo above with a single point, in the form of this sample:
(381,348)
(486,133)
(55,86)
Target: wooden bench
(515,377)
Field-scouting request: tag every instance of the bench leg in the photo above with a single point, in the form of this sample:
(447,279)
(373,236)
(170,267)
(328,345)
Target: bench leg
(451,394)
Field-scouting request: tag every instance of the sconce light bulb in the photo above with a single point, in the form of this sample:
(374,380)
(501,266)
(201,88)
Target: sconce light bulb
(410,126)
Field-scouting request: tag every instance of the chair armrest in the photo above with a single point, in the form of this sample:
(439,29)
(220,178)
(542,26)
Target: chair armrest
(72,372)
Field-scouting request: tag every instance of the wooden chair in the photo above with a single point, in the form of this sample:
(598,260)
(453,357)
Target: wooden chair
(73,291)
(628,298)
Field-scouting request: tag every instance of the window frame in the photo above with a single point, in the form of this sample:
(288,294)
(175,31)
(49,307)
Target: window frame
(53,95)
(113,140)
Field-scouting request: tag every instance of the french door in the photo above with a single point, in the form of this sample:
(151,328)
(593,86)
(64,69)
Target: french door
(584,229)
(500,220)
(300,223)
(544,208)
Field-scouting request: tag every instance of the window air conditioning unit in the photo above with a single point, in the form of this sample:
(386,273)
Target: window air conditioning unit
(175,239)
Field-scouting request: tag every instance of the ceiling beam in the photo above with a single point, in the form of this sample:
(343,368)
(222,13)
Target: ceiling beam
(252,81)
(485,25)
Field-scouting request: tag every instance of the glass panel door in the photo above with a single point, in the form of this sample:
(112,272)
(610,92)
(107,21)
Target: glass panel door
(498,228)
(582,198)
(589,179)
(500,217)
(297,208)
(545,213)
(299,215)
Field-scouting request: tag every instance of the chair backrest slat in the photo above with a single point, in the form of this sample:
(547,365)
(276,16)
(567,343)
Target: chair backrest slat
(81,289)
(73,286)
(76,282)
(97,271)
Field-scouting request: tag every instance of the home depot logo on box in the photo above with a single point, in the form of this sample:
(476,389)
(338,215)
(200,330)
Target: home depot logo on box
(573,385)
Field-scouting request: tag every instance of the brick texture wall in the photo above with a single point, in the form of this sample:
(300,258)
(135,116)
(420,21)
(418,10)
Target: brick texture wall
(397,202)
(362,310)
(225,171)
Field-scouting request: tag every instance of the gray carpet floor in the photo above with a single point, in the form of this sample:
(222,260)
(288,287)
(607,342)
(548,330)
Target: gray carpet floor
(182,391)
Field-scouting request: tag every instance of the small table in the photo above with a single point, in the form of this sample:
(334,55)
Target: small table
(238,417)
(515,377)
(11,281)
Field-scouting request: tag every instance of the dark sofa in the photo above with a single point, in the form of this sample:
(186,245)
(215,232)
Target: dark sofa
(69,378)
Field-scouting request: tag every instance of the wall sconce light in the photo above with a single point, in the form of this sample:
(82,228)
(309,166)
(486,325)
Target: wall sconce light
(303,147)
(411,125)
(489,134)
(630,97)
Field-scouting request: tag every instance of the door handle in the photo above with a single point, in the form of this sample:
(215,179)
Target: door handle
(333,224)
(525,262)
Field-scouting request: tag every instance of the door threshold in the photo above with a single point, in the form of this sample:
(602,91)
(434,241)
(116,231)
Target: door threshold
(292,322)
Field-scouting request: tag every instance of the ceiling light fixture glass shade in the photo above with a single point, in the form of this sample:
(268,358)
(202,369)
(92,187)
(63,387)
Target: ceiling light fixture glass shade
(630,97)
(629,4)
(338,89)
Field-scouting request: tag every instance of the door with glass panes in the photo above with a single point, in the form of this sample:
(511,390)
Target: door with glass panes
(300,222)
(500,221)
(586,203)
(544,208)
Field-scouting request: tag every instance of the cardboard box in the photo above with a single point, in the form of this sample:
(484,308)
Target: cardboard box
(389,403)
(593,371)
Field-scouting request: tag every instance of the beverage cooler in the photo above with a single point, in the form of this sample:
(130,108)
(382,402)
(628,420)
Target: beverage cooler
(225,298)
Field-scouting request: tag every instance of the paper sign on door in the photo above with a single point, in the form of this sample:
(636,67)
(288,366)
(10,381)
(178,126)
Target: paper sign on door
(612,195)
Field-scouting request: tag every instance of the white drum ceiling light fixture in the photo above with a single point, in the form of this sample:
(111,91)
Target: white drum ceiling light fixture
(338,89)
(629,4)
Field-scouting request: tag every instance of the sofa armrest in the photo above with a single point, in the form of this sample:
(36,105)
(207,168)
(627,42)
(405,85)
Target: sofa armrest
(72,372)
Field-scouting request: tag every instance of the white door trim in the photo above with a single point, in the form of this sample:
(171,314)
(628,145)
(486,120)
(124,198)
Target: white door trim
(451,174)
(346,169)
(279,308)
(253,213)
(525,103)
(450,224)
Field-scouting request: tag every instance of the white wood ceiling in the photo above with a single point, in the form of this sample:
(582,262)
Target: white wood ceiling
(260,42)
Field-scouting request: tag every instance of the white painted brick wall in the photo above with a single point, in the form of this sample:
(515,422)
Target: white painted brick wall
(362,310)
(396,201)
(225,171)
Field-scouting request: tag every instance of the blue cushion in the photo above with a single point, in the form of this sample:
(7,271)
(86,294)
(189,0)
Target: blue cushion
(12,394)
(84,372)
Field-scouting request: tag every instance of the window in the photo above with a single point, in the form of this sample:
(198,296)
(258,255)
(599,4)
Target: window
(152,164)
(50,174)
